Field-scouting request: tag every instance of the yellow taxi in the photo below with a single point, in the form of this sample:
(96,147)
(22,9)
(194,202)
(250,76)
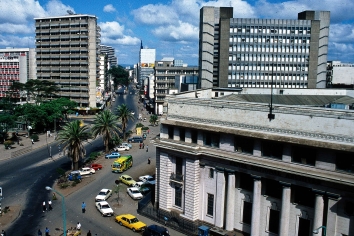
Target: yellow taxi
(131,222)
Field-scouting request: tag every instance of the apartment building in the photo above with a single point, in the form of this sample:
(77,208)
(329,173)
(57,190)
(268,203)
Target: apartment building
(16,65)
(259,53)
(237,172)
(67,50)
(112,59)
(340,75)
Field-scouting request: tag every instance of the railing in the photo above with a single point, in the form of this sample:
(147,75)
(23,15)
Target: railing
(176,177)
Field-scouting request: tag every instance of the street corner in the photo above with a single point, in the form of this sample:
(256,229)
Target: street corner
(9,215)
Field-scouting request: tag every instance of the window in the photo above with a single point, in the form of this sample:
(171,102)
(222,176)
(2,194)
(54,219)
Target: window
(170,132)
(274,221)
(243,144)
(194,136)
(272,149)
(211,139)
(302,196)
(210,210)
(344,162)
(182,134)
(304,155)
(178,196)
(211,173)
(247,213)
(179,165)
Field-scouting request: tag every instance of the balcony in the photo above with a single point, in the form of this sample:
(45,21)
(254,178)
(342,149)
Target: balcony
(177,178)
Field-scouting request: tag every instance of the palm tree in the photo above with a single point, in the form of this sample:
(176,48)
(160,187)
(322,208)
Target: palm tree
(105,124)
(124,115)
(153,119)
(72,137)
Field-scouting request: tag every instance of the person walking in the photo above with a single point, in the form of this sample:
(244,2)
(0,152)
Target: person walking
(46,231)
(32,141)
(39,232)
(140,145)
(83,207)
(147,148)
(143,145)
(149,161)
(50,205)
(89,233)
(44,206)
(78,226)
(3,233)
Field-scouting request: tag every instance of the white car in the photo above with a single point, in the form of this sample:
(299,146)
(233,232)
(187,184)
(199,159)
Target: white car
(134,193)
(129,145)
(104,208)
(103,195)
(143,187)
(86,171)
(121,148)
(147,178)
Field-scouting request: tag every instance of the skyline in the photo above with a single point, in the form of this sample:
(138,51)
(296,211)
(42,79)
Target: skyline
(170,27)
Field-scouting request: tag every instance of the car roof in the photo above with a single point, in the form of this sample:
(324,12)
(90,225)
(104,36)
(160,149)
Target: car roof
(134,188)
(104,190)
(126,176)
(157,228)
(103,203)
(129,216)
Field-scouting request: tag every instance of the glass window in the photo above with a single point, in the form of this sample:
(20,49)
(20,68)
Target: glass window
(345,161)
(210,210)
(304,155)
(243,144)
(178,196)
(272,149)
(211,139)
(274,221)
(182,134)
(211,173)
(247,213)
(194,135)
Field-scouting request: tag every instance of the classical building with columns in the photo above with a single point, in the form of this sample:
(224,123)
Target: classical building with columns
(223,163)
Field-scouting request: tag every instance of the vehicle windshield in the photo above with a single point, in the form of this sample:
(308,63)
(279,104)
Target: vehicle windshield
(116,165)
(135,220)
(102,193)
(135,191)
(105,206)
(128,179)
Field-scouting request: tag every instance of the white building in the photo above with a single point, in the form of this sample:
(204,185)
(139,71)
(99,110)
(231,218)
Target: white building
(340,74)
(221,162)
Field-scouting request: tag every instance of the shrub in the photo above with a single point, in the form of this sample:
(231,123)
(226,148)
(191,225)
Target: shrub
(139,125)
(34,137)
(64,185)
(145,128)
(8,143)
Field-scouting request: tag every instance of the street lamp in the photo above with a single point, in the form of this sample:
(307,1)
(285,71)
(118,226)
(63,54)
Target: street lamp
(62,206)
(316,231)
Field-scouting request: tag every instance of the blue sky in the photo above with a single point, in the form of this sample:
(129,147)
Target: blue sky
(169,26)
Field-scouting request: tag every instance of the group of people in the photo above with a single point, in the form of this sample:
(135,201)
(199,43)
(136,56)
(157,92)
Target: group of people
(49,206)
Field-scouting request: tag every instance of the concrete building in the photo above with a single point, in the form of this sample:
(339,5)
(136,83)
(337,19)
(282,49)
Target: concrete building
(167,72)
(239,52)
(147,58)
(340,75)
(221,162)
(67,50)
(112,59)
(16,64)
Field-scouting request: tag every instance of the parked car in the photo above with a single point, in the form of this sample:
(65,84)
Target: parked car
(143,187)
(135,139)
(74,175)
(103,195)
(96,166)
(112,155)
(147,178)
(134,193)
(127,145)
(144,135)
(131,222)
(86,171)
(104,208)
(121,148)
(128,180)
(156,230)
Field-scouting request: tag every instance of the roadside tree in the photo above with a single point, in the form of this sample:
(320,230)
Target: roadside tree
(153,119)
(120,76)
(124,115)
(105,124)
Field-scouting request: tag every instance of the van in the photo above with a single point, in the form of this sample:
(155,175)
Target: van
(122,163)
(136,139)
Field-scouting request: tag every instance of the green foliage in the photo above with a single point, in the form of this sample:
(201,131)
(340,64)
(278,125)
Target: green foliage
(61,171)
(64,185)
(139,125)
(94,154)
(154,119)
(8,143)
(124,115)
(145,128)
(34,137)
(7,121)
(120,75)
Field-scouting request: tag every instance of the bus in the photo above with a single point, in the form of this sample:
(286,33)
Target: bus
(122,163)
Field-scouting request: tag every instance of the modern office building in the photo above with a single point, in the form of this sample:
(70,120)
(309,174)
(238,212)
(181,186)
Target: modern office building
(112,59)
(67,50)
(147,58)
(222,163)
(16,65)
(167,72)
(340,75)
(242,52)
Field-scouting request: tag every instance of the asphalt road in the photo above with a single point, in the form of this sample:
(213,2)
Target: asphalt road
(24,178)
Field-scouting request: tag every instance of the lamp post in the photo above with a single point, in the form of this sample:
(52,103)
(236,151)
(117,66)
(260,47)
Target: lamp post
(316,231)
(62,206)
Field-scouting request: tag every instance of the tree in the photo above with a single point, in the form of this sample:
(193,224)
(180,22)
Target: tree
(120,76)
(72,138)
(7,121)
(153,119)
(105,124)
(124,115)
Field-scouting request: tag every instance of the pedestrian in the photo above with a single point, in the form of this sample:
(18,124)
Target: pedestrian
(32,141)
(3,233)
(50,205)
(83,207)
(78,226)
(140,145)
(44,206)
(39,232)
(143,145)
(89,233)
(149,160)
(46,231)
(148,131)
(147,148)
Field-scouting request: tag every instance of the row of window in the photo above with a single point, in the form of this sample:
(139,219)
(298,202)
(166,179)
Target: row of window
(73,38)
(62,52)
(63,19)
(269,29)
(266,48)
(78,45)
(273,59)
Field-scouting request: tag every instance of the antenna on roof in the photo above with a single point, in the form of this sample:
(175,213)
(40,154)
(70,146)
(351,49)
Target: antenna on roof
(70,12)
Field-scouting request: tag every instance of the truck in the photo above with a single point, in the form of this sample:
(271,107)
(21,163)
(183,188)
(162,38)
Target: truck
(122,163)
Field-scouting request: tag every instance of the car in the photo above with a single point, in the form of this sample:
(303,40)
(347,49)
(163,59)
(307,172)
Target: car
(112,155)
(143,187)
(128,180)
(121,148)
(127,145)
(133,113)
(130,221)
(74,176)
(96,166)
(134,193)
(104,208)
(86,171)
(156,230)
(103,195)
(135,139)
(147,178)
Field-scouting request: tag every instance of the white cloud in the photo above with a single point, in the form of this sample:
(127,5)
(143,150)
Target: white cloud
(124,40)
(181,32)
(10,28)
(155,15)
(15,41)
(19,11)
(56,8)
(109,8)
(111,29)
(341,33)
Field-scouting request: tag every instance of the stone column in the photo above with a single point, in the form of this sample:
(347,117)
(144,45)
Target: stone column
(256,205)
(285,210)
(332,213)
(220,197)
(230,208)
(318,216)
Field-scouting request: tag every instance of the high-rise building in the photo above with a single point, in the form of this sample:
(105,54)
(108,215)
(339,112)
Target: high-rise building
(16,65)
(112,59)
(147,59)
(67,50)
(240,52)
